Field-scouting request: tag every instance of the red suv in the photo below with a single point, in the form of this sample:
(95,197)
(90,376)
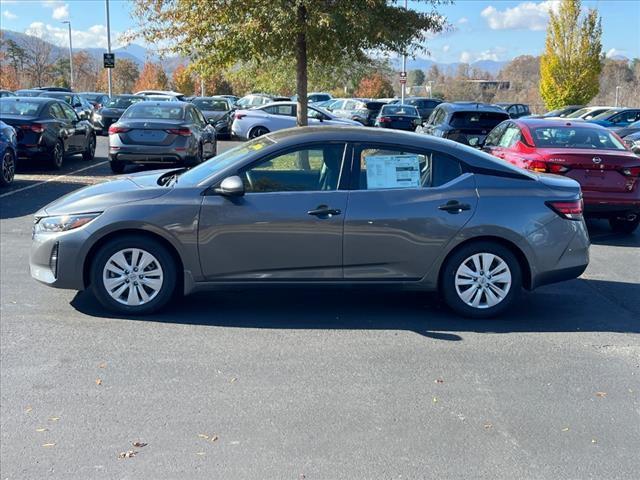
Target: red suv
(608,172)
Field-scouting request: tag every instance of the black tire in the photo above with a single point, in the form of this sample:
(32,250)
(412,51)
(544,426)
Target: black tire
(90,153)
(167,264)
(57,155)
(449,290)
(623,225)
(117,167)
(258,132)
(8,168)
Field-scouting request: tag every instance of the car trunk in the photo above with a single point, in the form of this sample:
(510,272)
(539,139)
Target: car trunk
(401,122)
(596,171)
(24,134)
(150,132)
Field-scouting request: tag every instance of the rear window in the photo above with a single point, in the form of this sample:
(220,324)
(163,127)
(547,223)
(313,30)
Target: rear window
(123,102)
(375,106)
(399,110)
(160,112)
(211,105)
(579,138)
(20,108)
(486,120)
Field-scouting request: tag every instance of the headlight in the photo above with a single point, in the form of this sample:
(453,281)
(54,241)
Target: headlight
(63,223)
(97,116)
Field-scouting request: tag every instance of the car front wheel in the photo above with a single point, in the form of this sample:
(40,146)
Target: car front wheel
(90,152)
(481,280)
(133,275)
(625,225)
(8,168)
(57,155)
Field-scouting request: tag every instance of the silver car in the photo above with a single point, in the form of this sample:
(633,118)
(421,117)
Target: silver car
(319,206)
(160,132)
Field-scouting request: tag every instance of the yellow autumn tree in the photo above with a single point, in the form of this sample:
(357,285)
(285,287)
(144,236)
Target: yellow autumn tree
(152,77)
(182,80)
(572,60)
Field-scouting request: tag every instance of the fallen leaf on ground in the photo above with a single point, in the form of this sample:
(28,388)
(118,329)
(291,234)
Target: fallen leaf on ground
(235,442)
(233,379)
(601,394)
(48,444)
(593,440)
(565,429)
(41,429)
(28,409)
(54,419)
(435,400)
(214,438)
(488,425)
(103,365)
(98,381)
(439,380)
(127,454)
(203,435)
(139,444)
(200,453)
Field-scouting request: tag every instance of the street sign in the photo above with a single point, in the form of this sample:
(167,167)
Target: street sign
(403,81)
(109,60)
(403,74)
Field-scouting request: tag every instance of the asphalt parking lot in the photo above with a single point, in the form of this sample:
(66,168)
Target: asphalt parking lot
(315,383)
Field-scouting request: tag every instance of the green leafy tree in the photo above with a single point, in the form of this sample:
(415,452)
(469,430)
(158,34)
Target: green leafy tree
(218,34)
(571,62)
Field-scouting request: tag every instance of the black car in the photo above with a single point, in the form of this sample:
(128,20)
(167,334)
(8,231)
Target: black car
(8,153)
(464,122)
(98,100)
(424,105)
(360,110)
(515,110)
(55,89)
(111,112)
(28,92)
(83,109)
(399,117)
(218,111)
(562,112)
(48,128)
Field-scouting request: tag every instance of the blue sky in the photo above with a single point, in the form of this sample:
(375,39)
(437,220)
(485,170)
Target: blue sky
(481,29)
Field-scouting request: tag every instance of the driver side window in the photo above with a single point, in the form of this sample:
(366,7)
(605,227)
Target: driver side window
(69,112)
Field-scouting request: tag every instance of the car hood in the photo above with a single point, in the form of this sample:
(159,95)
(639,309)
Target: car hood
(97,198)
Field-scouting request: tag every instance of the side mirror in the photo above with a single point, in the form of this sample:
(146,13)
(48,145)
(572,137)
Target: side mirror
(231,187)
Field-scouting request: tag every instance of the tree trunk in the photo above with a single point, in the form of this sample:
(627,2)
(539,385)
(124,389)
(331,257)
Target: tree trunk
(301,65)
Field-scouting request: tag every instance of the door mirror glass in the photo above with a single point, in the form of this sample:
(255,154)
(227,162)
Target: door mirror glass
(231,187)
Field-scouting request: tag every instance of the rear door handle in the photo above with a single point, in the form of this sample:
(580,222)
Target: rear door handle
(453,206)
(324,211)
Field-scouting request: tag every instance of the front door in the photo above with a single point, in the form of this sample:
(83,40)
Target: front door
(287,226)
(405,208)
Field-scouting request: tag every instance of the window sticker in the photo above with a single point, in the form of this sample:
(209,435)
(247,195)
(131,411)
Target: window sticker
(393,171)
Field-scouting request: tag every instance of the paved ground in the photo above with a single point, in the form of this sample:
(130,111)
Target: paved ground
(316,384)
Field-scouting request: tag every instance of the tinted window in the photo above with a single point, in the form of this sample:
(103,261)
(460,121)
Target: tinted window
(399,110)
(23,108)
(437,117)
(68,112)
(314,168)
(56,112)
(214,105)
(494,136)
(287,110)
(153,111)
(486,120)
(123,102)
(568,137)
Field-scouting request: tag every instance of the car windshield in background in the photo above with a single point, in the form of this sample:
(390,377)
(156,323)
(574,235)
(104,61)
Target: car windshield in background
(477,119)
(198,174)
(577,113)
(567,137)
(152,111)
(399,110)
(90,97)
(63,97)
(21,108)
(28,93)
(123,102)
(211,105)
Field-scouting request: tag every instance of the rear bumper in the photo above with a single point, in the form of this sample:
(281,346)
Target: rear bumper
(150,154)
(32,151)
(605,209)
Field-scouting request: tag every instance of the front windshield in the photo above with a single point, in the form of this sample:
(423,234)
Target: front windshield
(123,102)
(578,138)
(606,115)
(211,105)
(63,97)
(218,163)
(154,111)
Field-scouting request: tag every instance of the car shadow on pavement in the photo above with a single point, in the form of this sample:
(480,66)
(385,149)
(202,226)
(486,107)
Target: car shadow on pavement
(601,234)
(28,202)
(569,307)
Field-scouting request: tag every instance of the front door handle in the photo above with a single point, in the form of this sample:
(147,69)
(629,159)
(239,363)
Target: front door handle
(324,211)
(453,206)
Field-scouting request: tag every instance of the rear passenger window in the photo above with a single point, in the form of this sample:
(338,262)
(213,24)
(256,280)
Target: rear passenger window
(388,169)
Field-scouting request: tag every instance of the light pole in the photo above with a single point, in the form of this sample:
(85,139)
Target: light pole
(617,94)
(68,22)
(404,69)
(106,2)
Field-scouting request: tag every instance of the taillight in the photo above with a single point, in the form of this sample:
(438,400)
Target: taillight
(183,132)
(556,168)
(240,116)
(631,171)
(34,127)
(385,120)
(571,210)
(113,129)
(545,167)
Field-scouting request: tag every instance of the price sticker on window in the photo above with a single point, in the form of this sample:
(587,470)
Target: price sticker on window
(392,171)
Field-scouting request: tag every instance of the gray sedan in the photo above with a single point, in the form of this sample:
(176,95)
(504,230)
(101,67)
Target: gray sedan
(319,206)
(160,132)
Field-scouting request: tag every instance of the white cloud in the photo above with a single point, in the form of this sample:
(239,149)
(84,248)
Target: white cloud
(61,12)
(466,57)
(491,54)
(95,36)
(526,16)
(463,20)
(614,52)
(9,15)
(446,48)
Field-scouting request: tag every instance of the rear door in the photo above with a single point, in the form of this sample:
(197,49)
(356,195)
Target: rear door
(77,131)
(405,207)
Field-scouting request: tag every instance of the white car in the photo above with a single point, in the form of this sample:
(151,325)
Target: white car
(278,116)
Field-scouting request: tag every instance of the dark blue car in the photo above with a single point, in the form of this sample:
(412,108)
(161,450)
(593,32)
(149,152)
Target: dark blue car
(618,117)
(8,150)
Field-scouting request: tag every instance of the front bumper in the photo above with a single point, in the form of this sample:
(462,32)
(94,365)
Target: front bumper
(67,271)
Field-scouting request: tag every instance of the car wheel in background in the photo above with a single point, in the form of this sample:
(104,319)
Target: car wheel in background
(57,155)
(90,152)
(117,167)
(624,225)
(258,132)
(481,279)
(133,274)
(8,168)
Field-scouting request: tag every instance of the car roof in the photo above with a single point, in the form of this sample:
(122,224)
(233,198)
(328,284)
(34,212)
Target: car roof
(560,122)
(42,99)
(471,107)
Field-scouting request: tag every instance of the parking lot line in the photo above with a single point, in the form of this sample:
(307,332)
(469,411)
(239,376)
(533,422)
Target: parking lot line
(53,179)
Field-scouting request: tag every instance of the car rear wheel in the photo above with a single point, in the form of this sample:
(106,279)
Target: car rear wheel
(258,132)
(8,168)
(90,152)
(481,280)
(57,155)
(624,225)
(133,275)
(117,167)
